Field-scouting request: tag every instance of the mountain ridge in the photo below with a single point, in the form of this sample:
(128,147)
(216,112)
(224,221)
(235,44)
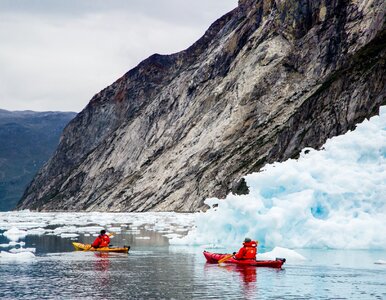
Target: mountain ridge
(27,140)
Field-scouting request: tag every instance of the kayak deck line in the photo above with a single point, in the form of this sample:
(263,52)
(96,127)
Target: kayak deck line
(87,247)
(214,258)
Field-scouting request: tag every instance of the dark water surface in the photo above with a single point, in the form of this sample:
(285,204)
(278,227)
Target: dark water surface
(155,270)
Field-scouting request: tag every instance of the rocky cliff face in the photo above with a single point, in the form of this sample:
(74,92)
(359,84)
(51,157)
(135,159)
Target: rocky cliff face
(266,80)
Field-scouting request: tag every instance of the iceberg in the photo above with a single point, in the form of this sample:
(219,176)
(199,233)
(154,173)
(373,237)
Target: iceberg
(288,254)
(16,257)
(380,262)
(331,198)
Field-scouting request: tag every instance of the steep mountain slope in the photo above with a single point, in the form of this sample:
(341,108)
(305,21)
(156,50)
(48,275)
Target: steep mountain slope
(266,80)
(27,140)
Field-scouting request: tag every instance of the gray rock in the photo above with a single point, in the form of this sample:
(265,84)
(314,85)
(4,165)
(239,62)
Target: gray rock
(266,80)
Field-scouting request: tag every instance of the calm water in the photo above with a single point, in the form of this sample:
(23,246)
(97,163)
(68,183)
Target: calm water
(153,270)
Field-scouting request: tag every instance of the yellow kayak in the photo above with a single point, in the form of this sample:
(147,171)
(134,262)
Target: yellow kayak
(87,247)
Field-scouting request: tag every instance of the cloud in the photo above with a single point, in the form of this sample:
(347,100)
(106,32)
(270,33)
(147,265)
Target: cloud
(56,55)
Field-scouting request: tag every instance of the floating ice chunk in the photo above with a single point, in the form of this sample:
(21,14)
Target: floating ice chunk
(288,254)
(181,229)
(69,235)
(143,238)
(13,243)
(19,250)
(380,262)
(114,229)
(15,234)
(16,257)
(133,232)
(37,231)
(65,229)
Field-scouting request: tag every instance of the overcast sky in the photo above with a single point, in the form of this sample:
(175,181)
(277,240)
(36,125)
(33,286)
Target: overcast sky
(56,54)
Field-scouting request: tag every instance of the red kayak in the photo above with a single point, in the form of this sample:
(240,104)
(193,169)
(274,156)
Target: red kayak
(213,258)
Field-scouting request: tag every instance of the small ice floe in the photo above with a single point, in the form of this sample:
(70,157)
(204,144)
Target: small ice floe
(15,234)
(21,244)
(12,244)
(288,254)
(182,229)
(69,235)
(142,238)
(380,262)
(16,257)
(133,232)
(20,250)
(89,229)
(65,229)
(114,229)
(37,231)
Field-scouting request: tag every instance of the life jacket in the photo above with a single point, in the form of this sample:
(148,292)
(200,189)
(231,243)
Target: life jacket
(101,241)
(251,250)
(105,240)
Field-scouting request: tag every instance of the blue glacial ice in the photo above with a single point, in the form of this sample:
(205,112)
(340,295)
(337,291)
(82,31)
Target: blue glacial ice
(332,198)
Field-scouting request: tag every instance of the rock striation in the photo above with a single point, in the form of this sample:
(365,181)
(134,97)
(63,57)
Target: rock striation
(266,80)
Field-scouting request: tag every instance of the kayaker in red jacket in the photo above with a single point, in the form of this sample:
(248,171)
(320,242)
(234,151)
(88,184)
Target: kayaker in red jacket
(248,251)
(103,240)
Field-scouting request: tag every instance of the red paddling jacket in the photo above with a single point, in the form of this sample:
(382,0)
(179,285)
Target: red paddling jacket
(101,241)
(248,251)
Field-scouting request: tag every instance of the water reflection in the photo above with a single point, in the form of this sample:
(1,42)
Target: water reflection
(101,268)
(102,262)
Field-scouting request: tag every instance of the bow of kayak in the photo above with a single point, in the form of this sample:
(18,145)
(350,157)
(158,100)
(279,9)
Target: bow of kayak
(87,247)
(214,258)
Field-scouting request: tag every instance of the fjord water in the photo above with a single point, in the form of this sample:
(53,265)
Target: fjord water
(155,270)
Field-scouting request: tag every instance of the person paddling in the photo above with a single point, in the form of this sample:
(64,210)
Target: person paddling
(248,251)
(103,240)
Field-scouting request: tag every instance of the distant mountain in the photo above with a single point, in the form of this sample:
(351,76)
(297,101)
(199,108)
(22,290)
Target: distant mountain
(27,140)
(266,80)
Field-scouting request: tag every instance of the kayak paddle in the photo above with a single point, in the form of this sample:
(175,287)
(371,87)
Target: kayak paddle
(224,259)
